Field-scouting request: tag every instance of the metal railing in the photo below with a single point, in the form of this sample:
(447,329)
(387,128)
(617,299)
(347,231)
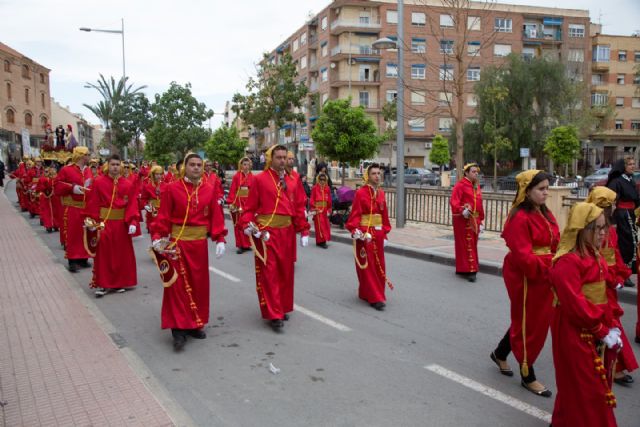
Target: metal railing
(361,23)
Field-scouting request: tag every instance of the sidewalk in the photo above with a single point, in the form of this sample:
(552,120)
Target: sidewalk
(58,367)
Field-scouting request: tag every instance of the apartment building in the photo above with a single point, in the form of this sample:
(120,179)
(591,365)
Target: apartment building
(336,59)
(614,83)
(24,102)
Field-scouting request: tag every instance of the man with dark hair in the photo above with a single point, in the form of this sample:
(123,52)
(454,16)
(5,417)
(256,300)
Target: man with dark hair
(273,214)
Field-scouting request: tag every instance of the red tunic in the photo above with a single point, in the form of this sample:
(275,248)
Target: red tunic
(321,204)
(185,305)
(532,240)
(150,196)
(237,197)
(45,188)
(30,183)
(466,230)
(115,261)
(73,207)
(276,206)
(580,319)
(18,175)
(369,257)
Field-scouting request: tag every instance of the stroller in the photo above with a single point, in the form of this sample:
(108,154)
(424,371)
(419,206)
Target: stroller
(341,201)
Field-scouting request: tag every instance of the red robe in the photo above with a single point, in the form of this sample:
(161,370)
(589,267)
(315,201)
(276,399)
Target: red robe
(30,183)
(618,272)
(73,210)
(45,189)
(18,175)
(115,261)
(321,204)
(466,230)
(369,257)
(580,319)
(237,198)
(274,278)
(532,240)
(185,304)
(150,196)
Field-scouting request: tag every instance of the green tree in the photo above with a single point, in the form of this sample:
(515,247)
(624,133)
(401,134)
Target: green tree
(439,154)
(345,133)
(562,145)
(273,96)
(134,119)
(177,124)
(225,146)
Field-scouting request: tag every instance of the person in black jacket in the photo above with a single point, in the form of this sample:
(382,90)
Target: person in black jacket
(1,173)
(621,181)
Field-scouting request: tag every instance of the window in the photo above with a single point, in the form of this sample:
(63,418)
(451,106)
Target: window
(446,46)
(501,49)
(418,71)
(364,99)
(28,120)
(444,98)
(7,66)
(42,99)
(472,100)
(446,21)
(446,72)
(11,116)
(25,72)
(41,78)
(636,79)
(599,99)
(473,74)
(365,18)
(324,74)
(26,95)
(323,23)
(528,53)
(445,124)
(576,55)
(325,98)
(303,62)
(635,124)
(596,79)
(635,102)
(620,101)
(303,39)
(576,30)
(416,125)
(622,55)
(9,91)
(324,49)
(392,95)
(43,121)
(620,79)
(601,53)
(619,124)
(473,48)
(392,70)
(418,97)
(295,45)
(418,45)
(418,18)
(636,56)
(503,25)
(392,16)
(473,23)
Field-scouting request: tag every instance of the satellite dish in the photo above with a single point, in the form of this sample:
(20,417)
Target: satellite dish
(333,65)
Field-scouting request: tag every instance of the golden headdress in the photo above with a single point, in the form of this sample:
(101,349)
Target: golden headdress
(78,153)
(581,215)
(523,179)
(603,197)
(245,158)
(38,159)
(469,166)
(321,175)
(93,161)
(269,153)
(154,170)
(365,174)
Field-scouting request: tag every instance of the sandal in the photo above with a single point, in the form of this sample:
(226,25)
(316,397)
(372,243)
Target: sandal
(626,379)
(504,371)
(544,393)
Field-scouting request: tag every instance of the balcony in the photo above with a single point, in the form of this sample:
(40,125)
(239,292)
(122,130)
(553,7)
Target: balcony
(341,25)
(542,35)
(354,50)
(600,66)
(340,81)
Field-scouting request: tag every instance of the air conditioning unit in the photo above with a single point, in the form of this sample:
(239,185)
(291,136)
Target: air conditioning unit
(428,145)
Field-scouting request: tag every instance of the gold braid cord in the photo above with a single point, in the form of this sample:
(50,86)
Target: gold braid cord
(381,270)
(601,371)
(188,289)
(524,368)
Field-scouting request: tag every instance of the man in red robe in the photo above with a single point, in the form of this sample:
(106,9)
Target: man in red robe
(237,198)
(112,205)
(150,196)
(369,226)
(273,214)
(45,189)
(70,185)
(468,214)
(18,175)
(188,212)
(321,209)
(30,183)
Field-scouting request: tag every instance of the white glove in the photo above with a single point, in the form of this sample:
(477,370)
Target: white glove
(304,241)
(367,237)
(87,182)
(148,208)
(158,244)
(248,231)
(78,189)
(132,229)
(91,228)
(619,286)
(220,249)
(481,229)
(385,242)
(613,338)
(221,201)
(357,235)
(466,213)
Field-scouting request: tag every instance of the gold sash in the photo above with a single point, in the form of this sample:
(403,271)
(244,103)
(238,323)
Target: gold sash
(243,192)
(541,250)
(68,201)
(155,203)
(278,221)
(117,214)
(609,254)
(321,204)
(595,292)
(190,232)
(374,220)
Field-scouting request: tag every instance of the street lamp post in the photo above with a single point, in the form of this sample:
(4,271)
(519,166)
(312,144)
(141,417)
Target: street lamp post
(387,43)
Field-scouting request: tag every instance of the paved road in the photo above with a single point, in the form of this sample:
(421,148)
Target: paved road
(424,361)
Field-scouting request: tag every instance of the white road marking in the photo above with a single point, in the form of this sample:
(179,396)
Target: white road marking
(321,318)
(490,392)
(225,275)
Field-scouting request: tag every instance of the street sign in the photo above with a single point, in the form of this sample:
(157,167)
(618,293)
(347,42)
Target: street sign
(524,152)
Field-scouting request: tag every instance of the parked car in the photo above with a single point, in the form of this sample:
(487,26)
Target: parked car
(430,178)
(508,183)
(597,176)
(416,176)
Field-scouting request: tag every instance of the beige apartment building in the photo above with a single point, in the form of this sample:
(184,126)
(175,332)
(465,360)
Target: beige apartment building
(614,83)
(336,59)
(82,130)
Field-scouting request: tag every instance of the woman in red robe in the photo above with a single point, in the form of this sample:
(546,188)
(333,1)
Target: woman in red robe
(320,203)
(468,214)
(189,211)
(369,226)
(31,183)
(618,272)
(151,191)
(112,201)
(45,189)
(237,199)
(585,340)
(531,234)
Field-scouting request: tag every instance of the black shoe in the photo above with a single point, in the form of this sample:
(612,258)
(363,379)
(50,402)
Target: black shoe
(32,215)
(544,393)
(277,325)
(198,334)
(286,317)
(378,305)
(72,267)
(637,340)
(179,339)
(84,263)
(504,371)
(322,245)
(471,277)
(49,230)
(629,283)
(625,380)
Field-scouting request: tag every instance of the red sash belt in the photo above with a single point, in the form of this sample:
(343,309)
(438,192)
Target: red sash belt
(623,204)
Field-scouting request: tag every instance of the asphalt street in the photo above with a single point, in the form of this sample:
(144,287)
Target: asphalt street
(422,362)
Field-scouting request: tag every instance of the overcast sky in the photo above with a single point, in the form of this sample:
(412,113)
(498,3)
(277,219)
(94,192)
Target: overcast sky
(211,43)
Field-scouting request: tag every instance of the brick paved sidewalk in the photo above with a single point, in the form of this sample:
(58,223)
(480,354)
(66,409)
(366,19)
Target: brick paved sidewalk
(57,366)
